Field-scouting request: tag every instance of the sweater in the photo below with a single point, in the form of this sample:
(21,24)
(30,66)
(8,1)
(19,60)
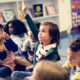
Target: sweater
(51,54)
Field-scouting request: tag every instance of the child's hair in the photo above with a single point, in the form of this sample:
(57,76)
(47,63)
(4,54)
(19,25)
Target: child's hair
(1,26)
(75,45)
(46,70)
(53,32)
(18,26)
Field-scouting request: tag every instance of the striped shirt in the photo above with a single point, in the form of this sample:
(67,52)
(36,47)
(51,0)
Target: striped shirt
(42,51)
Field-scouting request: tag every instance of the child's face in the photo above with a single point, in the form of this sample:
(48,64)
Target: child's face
(74,57)
(11,29)
(44,36)
(1,34)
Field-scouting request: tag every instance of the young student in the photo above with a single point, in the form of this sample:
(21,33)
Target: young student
(7,47)
(72,65)
(47,47)
(47,70)
(17,31)
(29,46)
(48,39)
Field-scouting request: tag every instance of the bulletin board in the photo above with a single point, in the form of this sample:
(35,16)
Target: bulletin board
(75,7)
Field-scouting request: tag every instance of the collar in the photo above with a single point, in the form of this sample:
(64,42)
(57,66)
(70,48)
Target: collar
(48,47)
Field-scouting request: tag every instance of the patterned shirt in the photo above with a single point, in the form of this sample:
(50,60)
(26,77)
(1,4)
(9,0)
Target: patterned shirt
(74,73)
(6,53)
(42,51)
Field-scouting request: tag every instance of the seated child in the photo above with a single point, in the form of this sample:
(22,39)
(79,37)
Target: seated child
(7,47)
(72,65)
(47,47)
(29,46)
(46,70)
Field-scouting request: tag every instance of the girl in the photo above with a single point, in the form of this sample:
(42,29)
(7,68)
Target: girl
(47,47)
(17,31)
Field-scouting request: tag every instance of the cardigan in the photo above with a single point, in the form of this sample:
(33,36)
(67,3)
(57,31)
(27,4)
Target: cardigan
(52,54)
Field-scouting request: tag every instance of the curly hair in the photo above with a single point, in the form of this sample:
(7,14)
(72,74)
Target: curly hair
(75,45)
(18,26)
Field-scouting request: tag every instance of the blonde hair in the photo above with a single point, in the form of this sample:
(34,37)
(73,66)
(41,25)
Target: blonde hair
(46,70)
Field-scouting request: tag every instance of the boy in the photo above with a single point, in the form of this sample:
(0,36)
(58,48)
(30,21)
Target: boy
(73,63)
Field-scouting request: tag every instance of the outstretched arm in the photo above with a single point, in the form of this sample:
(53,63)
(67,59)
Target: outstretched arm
(31,24)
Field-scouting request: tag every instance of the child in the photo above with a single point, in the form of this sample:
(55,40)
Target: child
(7,47)
(29,46)
(47,70)
(17,31)
(72,65)
(47,38)
(47,47)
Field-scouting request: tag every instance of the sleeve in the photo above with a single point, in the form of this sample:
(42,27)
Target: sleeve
(32,26)
(11,45)
(24,45)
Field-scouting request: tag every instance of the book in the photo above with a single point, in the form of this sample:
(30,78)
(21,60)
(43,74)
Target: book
(49,9)
(38,10)
(8,14)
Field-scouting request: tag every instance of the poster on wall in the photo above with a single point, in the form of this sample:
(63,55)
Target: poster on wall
(75,5)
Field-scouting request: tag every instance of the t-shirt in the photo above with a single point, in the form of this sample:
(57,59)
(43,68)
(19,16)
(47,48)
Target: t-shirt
(73,72)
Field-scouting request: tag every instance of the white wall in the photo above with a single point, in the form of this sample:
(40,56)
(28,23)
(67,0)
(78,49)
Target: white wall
(65,21)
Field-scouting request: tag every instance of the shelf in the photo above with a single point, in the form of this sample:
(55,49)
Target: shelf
(45,17)
(5,1)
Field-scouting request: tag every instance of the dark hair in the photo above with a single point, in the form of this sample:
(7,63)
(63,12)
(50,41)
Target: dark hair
(1,26)
(18,26)
(75,45)
(53,32)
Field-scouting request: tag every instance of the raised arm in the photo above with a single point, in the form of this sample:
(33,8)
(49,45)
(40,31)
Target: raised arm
(31,24)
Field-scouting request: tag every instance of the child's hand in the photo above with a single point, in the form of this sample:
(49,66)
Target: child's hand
(29,67)
(30,58)
(5,36)
(25,11)
(24,8)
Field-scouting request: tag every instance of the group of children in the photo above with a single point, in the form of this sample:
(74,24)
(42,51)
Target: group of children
(38,53)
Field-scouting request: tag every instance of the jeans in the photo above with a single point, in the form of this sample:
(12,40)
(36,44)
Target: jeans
(4,71)
(20,75)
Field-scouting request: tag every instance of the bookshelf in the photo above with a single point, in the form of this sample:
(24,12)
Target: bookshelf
(62,8)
